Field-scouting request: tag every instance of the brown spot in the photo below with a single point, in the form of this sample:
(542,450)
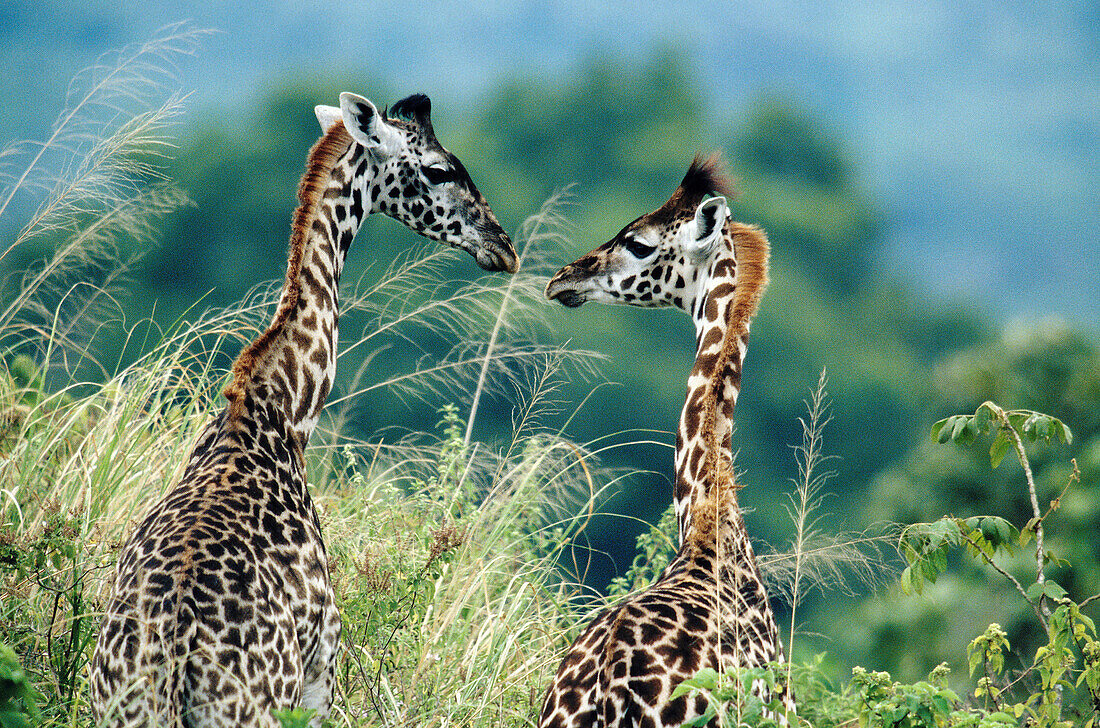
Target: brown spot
(674,712)
(725,268)
(711,310)
(712,337)
(721,291)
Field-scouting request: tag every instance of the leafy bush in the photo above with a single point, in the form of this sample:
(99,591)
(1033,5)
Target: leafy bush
(18,697)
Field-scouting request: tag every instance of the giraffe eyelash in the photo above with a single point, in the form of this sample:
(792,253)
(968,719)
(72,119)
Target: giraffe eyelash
(438,174)
(638,247)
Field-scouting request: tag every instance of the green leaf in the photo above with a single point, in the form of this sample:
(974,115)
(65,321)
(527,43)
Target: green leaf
(940,433)
(1087,621)
(929,571)
(989,531)
(998,532)
(1050,589)
(1000,446)
(1045,428)
(701,720)
(959,427)
(1064,433)
(1017,420)
(970,432)
(705,679)
(976,655)
(1053,590)
(982,417)
(680,690)
(939,560)
(1030,427)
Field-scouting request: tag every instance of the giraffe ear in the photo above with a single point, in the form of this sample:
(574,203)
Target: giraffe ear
(367,126)
(710,218)
(326,116)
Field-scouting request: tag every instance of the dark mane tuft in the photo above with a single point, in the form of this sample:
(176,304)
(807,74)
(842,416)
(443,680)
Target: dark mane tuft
(705,176)
(416,108)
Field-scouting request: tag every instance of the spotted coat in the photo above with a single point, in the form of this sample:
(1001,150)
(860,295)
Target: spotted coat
(709,607)
(222,608)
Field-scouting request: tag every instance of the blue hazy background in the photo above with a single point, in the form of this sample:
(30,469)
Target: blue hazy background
(975,124)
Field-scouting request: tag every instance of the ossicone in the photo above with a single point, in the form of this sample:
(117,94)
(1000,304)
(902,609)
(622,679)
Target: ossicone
(416,108)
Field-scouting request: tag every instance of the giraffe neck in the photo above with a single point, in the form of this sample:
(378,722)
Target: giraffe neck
(289,369)
(722,309)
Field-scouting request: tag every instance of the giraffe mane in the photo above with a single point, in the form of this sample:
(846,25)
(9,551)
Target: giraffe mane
(751,252)
(322,159)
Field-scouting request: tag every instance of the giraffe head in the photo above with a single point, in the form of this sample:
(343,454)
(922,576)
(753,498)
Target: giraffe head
(659,259)
(402,170)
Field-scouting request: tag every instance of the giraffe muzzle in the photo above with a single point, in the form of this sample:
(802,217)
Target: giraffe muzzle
(497,259)
(561,290)
(493,251)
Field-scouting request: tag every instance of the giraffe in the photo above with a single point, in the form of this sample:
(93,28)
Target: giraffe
(222,608)
(709,601)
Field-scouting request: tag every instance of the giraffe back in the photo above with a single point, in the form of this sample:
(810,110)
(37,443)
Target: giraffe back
(623,668)
(223,609)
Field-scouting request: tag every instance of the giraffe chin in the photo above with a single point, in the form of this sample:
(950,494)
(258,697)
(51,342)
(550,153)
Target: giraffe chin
(570,298)
(493,261)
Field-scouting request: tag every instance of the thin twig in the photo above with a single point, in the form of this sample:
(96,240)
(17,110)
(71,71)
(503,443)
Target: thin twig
(1010,577)
(1038,514)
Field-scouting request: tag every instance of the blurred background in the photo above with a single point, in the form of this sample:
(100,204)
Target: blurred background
(928,174)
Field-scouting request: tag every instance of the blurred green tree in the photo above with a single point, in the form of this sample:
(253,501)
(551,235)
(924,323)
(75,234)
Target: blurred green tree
(1046,366)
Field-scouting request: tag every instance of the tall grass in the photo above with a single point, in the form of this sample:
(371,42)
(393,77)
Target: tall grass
(817,558)
(444,548)
(455,612)
(84,201)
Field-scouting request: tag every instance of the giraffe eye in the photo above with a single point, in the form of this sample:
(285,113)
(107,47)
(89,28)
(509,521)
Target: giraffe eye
(437,174)
(638,247)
